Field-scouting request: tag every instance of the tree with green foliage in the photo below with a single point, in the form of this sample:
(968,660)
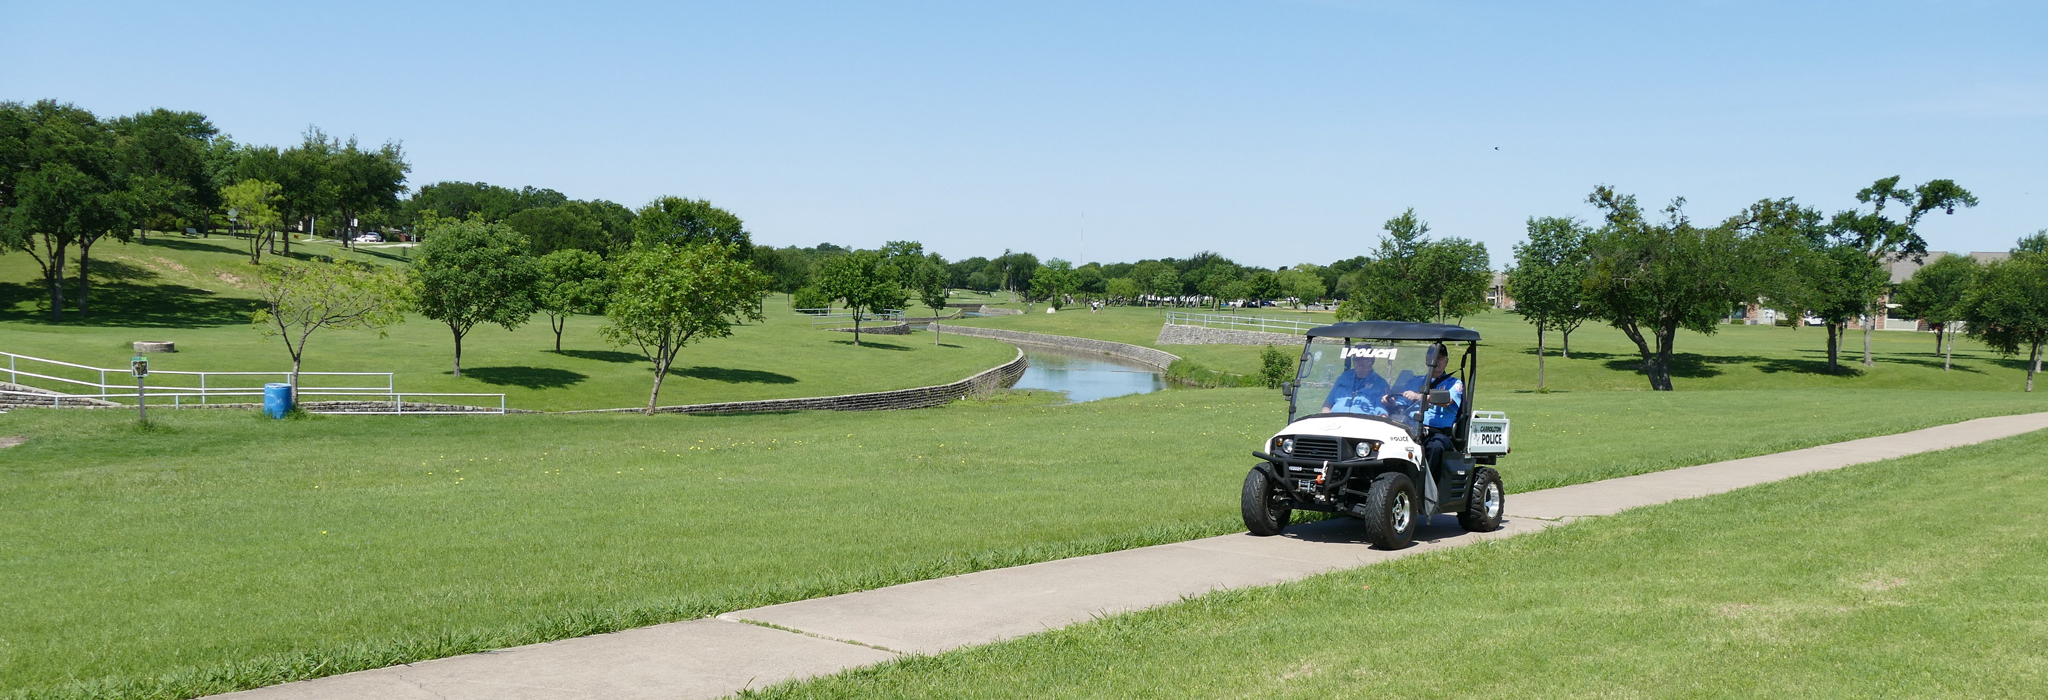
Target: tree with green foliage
(810,298)
(1456,273)
(302,297)
(1651,278)
(865,282)
(1389,288)
(464,200)
(1885,239)
(1054,281)
(572,281)
(1276,367)
(1123,288)
(1262,286)
(1303,285)
(679,221)
(1938,294)
(253,203)
(1413,278)
(670,295)
(472,272)
(58,187)
(2007,309)
(928,279)
(364,180)
(571,226)
(1548,279)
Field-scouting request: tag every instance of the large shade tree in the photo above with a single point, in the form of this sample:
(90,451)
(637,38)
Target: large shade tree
(670,296)
(1649,278)
(2008,306)
(472,272)
(679,221)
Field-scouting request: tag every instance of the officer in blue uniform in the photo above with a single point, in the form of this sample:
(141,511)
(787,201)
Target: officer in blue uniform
(1358,389)
(1438,421)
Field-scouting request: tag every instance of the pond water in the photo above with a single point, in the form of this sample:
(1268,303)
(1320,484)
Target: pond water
(1087,376)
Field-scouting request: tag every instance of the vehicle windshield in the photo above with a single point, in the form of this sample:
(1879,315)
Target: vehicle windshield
(1366,377)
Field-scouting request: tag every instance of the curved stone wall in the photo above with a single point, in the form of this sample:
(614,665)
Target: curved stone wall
(1138,353)
(920,397)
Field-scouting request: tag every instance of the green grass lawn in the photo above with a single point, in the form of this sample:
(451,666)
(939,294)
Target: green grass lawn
(1735,357)
(1921,577)
(221,550)
(199,293)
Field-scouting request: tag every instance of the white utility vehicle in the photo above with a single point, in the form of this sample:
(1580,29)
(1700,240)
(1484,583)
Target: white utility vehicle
(1358,440)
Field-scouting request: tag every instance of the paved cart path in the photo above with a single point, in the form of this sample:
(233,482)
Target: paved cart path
(715,657)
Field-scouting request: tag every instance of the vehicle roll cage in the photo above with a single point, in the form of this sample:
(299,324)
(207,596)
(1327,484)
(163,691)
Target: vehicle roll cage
(1467,371)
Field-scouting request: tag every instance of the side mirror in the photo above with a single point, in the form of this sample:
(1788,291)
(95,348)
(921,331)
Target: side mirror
(1287,389)
(1440,397)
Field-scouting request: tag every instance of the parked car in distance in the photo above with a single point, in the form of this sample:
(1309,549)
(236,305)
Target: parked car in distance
(371,237)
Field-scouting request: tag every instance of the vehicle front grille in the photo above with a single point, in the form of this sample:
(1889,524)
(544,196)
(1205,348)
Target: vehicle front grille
(1317,447)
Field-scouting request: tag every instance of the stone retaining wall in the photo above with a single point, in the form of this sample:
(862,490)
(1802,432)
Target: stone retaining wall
(921,397)
(1138,353)
(1172,334)
(994,311)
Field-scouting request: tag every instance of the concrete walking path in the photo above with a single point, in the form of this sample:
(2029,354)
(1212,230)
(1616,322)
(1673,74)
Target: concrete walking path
(715,657)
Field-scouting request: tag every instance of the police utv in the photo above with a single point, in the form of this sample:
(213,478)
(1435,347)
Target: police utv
(1380,428)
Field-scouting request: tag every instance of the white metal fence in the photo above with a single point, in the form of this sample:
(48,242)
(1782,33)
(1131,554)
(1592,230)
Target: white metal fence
(1242,323)
(66,380)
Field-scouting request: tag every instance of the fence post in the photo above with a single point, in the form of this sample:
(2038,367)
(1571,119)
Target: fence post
(202,388)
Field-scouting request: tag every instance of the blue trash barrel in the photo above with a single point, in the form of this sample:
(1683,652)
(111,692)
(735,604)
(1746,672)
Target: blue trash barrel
(277,399)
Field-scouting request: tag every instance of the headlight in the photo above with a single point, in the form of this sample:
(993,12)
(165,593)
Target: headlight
(1364,449)
(1287,445)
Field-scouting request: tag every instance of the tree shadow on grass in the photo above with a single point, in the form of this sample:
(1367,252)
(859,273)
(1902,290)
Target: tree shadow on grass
(875,345)
(122,304)
(604,355)
(2018,362)
(733,376)
(217,244)
(116,271)
(526,377)
(1552,353)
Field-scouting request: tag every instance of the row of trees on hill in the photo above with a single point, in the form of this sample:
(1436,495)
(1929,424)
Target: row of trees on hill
(685,276)
(1651,274)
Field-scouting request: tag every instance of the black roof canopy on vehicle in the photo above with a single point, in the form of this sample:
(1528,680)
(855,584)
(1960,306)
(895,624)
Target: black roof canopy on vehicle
(1394,330)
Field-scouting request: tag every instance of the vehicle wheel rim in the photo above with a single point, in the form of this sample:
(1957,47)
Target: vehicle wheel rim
(1401,514)
(1493,500)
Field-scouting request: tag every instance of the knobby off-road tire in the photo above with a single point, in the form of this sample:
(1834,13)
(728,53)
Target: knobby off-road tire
(1486,503)
(1264,513)
(1393,511)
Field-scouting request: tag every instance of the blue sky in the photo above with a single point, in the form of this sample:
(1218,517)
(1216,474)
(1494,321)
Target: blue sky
(1272,132)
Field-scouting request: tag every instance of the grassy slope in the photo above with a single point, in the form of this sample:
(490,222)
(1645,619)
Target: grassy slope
(1920,577)
(198,293)
(1735,357)
(225,539)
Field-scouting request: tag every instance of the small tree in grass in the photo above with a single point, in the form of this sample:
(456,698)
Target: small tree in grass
(865,281)
(572,282)
(672,295)
(1938,293)
(928,279)
(1548,279)
(472,272)
(302,297)
(2008,309)
(255,205)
